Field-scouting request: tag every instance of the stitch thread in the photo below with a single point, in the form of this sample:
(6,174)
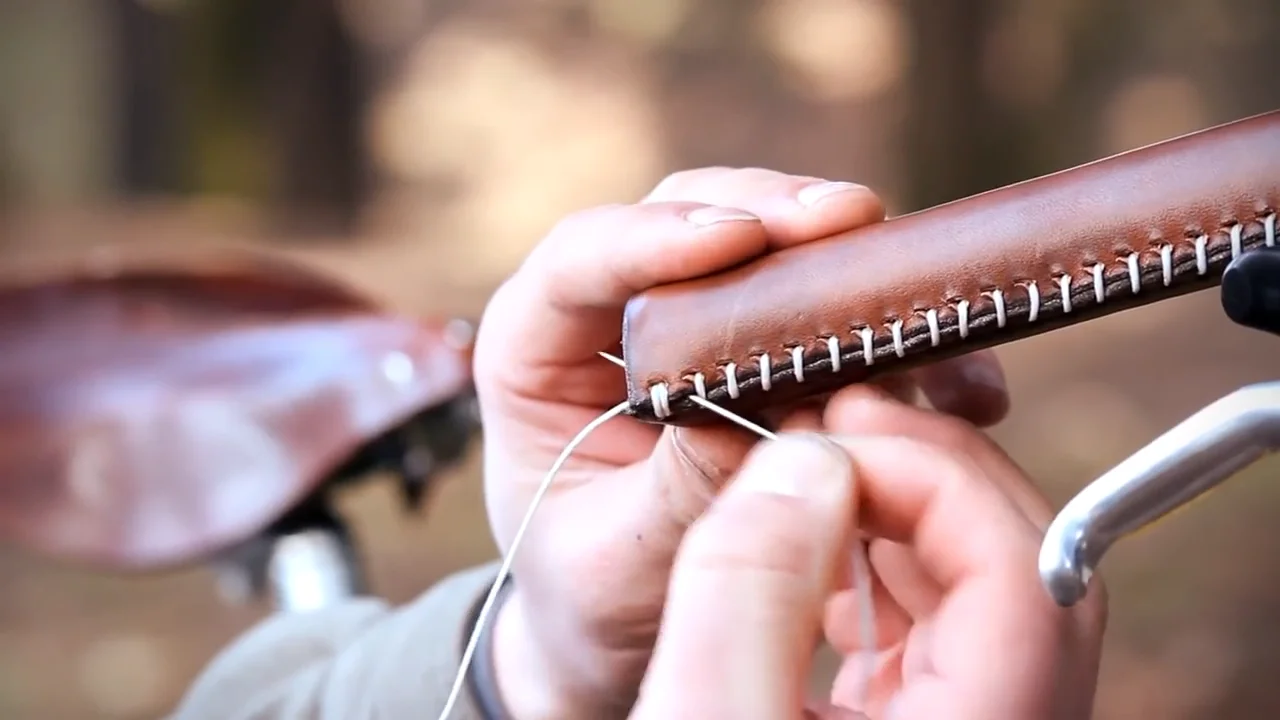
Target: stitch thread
(866,334)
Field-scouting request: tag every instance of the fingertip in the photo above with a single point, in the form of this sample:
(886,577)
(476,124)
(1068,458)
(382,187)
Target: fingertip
(972,387)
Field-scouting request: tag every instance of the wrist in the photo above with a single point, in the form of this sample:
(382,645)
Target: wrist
(521,672)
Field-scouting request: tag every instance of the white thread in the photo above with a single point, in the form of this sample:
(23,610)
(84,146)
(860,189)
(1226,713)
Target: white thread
(659,395)
(997,297)
(1237,240)
(1202,255)
(1166,264)
(899,345)
(1099,282)
(1269,229)
(1064,287)
(1135,274)
(935,329)
(833,349)
(797,363)
(766,372)
(868,345)
(700,384)
(962,313)
(731,378)
(1033,297)
(504,569)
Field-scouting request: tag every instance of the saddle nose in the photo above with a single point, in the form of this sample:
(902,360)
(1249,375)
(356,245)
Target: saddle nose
(1182,465)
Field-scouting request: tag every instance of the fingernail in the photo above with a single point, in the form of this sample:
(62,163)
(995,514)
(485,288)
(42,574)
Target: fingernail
(712,215)
(802,465)
(811,194)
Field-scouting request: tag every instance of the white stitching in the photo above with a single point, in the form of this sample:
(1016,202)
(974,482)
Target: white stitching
(997,297)
(962,317)
(1033,297)
(797,363)
(660,396)
(868,345)
(935,328)
(899,346)
(1166,263)
(1135,274)
(659,393)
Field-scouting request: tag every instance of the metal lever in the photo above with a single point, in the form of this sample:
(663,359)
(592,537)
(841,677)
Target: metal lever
(1184,463)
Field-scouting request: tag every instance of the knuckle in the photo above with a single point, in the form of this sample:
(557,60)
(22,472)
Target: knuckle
(757,534)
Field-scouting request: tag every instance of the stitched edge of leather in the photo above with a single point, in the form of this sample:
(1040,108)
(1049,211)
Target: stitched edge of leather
(982,319)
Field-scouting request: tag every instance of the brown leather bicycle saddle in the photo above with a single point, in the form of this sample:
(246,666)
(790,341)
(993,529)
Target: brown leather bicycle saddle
(154,413)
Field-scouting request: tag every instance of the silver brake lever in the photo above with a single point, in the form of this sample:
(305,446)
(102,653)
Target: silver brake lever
(1176,468)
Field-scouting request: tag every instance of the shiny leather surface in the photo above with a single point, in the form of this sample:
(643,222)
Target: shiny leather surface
(149,416)
(1093,224)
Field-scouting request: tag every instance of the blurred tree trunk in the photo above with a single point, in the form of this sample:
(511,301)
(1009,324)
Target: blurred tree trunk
(314,98)
(151,155)
(959,140)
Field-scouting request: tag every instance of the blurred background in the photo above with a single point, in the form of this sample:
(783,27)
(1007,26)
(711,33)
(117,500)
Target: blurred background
(420,148)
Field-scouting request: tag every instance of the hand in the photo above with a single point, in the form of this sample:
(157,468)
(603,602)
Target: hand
(966,631)
(574,638)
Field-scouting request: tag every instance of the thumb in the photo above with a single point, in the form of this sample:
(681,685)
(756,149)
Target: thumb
(747,590)
(689,465)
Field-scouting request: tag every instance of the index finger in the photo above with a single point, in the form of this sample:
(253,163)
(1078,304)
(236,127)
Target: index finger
(960,524)
(997,639)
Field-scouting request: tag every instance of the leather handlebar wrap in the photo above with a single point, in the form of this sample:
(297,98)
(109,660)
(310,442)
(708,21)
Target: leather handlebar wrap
(1129,230)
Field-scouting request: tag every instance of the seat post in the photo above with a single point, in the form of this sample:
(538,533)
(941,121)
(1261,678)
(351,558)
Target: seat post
(311,569)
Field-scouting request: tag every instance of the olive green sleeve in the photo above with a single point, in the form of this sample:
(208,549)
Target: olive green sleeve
(356,660)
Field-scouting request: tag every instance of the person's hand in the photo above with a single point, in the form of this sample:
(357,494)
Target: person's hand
(965,630)
(575,636)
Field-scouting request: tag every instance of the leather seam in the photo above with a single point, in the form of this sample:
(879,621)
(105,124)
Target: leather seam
(1163,265)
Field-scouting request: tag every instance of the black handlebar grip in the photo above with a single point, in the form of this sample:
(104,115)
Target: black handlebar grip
(1251,290)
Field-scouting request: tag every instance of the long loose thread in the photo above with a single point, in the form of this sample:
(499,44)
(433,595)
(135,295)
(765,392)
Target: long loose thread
(861,563)
(504,569)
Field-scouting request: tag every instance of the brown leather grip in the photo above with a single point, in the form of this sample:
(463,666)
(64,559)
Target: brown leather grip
(1129,230)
